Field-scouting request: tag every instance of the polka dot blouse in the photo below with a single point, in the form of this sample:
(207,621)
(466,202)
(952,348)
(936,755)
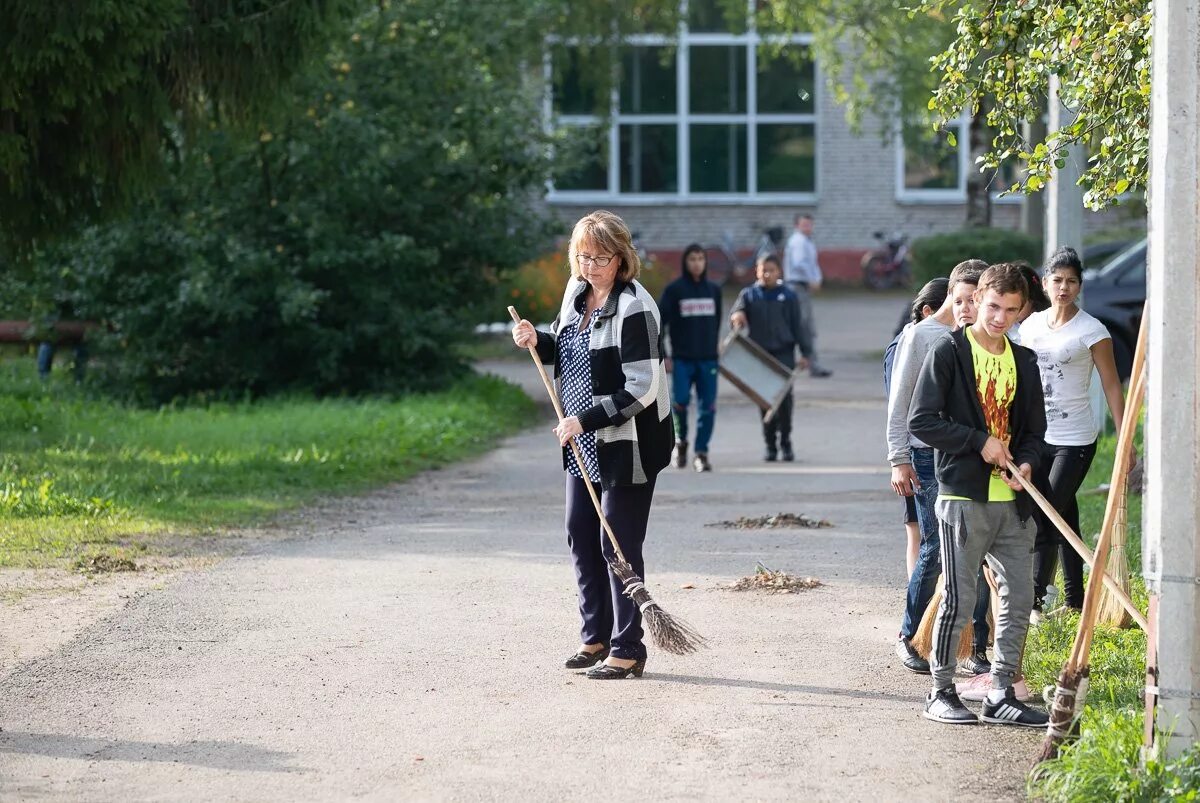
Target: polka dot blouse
(575,388)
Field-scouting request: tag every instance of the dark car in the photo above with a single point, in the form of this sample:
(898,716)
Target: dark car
(1115,295)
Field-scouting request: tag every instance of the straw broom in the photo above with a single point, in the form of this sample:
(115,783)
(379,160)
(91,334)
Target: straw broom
(922,639)
(669,633)
(1070,691)
(1112,611)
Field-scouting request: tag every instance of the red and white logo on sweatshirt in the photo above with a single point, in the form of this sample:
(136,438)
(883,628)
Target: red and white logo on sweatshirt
(697,307)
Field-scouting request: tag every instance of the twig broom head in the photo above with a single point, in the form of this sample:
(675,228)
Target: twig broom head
(669,633)
(922,639)
(1111,610)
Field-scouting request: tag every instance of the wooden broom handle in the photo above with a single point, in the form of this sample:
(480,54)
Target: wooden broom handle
(1124,453)
(574,446)
(1080,547)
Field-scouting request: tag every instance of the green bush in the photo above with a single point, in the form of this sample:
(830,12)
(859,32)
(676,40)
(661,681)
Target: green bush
(348,246)
(937,254)
(1105,764)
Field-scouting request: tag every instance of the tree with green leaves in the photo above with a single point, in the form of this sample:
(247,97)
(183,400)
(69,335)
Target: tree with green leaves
(346,246)
(1002,58)
(95,94)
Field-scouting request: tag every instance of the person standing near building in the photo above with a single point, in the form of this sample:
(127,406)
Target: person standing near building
(691,320)
(802,273)
(770,313)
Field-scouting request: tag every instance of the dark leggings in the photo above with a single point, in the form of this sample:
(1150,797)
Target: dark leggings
(1059,480)
(608,616)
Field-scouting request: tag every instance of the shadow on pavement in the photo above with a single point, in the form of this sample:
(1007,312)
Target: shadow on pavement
(222,755)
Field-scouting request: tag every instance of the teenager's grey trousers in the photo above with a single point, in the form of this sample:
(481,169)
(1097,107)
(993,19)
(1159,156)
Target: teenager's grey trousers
(971,532)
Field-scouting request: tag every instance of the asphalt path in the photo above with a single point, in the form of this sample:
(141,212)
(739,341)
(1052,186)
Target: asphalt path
(407,644)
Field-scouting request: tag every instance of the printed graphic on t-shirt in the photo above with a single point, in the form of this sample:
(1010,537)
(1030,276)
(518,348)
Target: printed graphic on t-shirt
(697,307)
(1050,364)
(996,384)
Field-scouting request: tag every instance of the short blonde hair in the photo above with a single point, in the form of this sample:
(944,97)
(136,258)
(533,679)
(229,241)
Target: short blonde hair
(609,233)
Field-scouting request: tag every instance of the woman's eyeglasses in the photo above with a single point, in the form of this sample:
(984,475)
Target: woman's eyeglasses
(588,259)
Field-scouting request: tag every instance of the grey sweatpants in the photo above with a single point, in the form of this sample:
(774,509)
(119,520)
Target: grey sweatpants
(971,532)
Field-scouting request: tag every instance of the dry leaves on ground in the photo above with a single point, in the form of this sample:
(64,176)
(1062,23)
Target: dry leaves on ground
(778,521)
(774,581)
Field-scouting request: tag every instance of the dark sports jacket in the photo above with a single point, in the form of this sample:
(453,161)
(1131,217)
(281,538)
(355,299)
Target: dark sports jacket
(691,316)
(946,414)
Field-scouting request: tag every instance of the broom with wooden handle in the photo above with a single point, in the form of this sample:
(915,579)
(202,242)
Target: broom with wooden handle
(1070,691)
(1112,608)
(922,638)
(670,633)
(1111,584)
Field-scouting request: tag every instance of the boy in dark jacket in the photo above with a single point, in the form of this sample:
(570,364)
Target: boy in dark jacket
(772,312)
(978,403)
(691,322)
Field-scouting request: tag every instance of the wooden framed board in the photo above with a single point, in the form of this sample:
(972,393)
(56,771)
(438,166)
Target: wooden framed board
(752,369)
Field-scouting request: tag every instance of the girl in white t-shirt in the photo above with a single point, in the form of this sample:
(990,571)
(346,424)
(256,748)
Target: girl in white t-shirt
(1069,343)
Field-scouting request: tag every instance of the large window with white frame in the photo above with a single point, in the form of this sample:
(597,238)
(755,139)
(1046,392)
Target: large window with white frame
(931,167)
(716,112)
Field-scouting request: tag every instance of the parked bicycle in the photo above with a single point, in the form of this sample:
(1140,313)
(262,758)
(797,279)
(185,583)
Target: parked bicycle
(724,264)
(887,266)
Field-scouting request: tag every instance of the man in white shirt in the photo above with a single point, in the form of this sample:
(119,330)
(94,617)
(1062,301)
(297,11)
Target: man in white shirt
(803,275)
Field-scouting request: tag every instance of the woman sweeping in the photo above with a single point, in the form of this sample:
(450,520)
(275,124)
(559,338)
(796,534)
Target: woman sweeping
(1068,342)
(605,346)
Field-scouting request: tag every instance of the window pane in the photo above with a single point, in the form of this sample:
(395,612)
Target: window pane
(648,158)
(931,162)
(786,81)
(648,80)
(582,159)
(718,79)
(576,80)
(718,158)
(787,158)
(717,16)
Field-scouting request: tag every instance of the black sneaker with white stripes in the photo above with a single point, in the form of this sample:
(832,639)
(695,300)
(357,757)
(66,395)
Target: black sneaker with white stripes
(943,705)
(1011,711)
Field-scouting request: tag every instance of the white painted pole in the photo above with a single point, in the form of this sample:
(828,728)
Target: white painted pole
(1171,515)
(1064,196)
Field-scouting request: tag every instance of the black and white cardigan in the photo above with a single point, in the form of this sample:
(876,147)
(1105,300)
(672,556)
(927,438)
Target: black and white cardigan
(631,407)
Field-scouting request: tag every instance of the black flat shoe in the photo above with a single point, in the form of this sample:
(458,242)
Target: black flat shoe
(584,659)
(608,672)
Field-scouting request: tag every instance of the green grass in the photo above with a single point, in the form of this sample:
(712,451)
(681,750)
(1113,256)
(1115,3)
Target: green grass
(80,474)
(1105,764)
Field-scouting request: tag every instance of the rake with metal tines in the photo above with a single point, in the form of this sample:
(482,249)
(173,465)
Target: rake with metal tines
(669,633)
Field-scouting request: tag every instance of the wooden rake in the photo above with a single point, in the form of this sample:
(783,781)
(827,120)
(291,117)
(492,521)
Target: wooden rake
(669,633)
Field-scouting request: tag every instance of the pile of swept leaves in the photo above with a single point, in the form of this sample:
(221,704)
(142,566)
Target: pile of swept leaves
(778,521)
(774,581)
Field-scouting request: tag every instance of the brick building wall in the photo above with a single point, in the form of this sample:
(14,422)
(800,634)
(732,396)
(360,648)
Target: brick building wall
(856,195)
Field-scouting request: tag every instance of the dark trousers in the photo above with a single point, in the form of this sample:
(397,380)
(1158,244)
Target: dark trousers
(1059,480)
(608,616)
(923,581)
(781,423)
(702,374)
(45,360)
